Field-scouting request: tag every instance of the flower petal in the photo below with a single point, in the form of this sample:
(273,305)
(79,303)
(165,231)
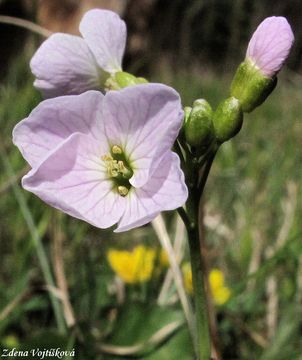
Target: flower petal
(105,33)
(54,120)
(166,190)
(144,120)
(64,65)
(73,179)
(270,44)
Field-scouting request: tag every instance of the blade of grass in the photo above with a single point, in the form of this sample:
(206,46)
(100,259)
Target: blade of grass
(13,304)
(143,348)
(165,241)
(58,262)
(178,249)
(25,24)
(41,254)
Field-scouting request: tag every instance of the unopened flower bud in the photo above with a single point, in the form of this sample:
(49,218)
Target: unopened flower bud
(198,128)
(270,45)
(187,112)
(227,119)
(267,51)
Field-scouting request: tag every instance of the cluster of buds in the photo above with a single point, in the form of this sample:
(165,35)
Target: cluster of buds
(255,79)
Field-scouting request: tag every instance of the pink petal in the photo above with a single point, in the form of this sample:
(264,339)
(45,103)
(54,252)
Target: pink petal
(105,33)
(73,179)
(54,120)
(144,120)
(166,190)
(270,45)
(64,65)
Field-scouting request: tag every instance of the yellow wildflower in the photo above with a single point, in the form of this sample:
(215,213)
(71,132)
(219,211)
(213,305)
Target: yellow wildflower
(187,276)
(134,266)
(163,258)
(220,292)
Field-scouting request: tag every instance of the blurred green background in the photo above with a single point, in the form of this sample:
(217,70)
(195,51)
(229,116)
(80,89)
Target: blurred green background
(252,204)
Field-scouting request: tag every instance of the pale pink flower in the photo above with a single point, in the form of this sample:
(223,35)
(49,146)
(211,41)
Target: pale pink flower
(106,159)
(270,45)
(67,64)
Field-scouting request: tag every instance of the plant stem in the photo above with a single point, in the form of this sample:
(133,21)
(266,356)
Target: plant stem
(205,174)
(197,262)
(203,335)
(211,307)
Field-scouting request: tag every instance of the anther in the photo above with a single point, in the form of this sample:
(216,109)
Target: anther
(122,190)
(116,149)
(107,158)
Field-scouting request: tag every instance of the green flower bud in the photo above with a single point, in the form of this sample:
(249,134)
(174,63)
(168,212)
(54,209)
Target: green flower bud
(227,119)
(250,86)
(198,127)
(187,112)
(141,80)
(122,79)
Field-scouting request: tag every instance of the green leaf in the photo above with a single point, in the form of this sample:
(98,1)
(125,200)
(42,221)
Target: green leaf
(147,329)
(138,321)
(284,345)
(178,347)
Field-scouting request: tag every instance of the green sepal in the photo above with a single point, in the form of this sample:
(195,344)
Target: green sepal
(227,119)
(198,126)
(122,79)
(250,86)
(187,112)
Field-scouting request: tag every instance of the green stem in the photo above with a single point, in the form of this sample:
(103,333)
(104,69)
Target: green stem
(205,173)
(184,216)
(202,322)
(197,262)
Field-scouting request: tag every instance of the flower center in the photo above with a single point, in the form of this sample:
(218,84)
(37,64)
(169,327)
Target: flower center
(118,169)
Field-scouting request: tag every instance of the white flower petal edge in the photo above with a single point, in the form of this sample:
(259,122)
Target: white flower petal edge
(145,123)
(270,44)
(165,190)
(54,120)
(105,33)
(73,179)
(82,151)
(64,65)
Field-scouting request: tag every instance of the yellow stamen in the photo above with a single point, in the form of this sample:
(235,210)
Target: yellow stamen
(107,158)
(122,190)
(116,149)
(118,170)
(116,167)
